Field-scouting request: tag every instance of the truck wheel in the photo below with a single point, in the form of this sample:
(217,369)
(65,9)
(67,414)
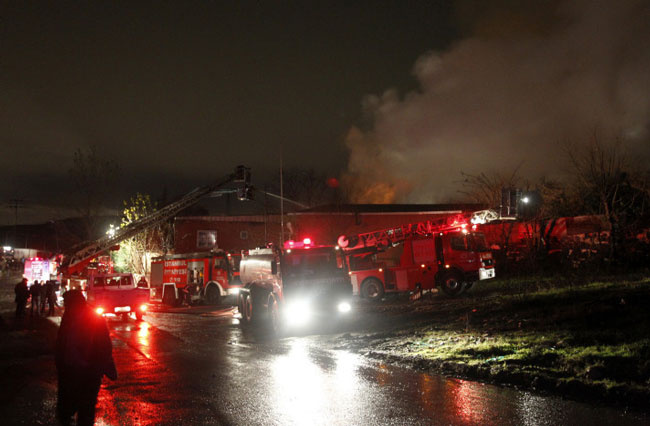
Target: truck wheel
(240,305)
(274,314)
(212,295)
(372,289)
(248,312)
(452,284)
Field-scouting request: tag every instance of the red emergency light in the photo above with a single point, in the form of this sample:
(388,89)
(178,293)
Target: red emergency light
(305,243)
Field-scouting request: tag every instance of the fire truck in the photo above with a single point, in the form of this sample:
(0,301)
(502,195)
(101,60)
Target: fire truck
(294,287)
(207,276)
(39,269)
(444,253)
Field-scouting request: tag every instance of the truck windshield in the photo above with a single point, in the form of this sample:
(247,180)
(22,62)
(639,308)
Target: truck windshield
(477,241)
(310,262)
(470,242)
(112,281)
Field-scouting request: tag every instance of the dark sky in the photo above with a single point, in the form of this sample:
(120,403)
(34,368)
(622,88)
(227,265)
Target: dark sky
(177,93)
(396,98)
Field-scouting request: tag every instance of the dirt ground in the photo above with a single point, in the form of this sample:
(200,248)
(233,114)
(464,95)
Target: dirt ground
(26,361)
(580,338)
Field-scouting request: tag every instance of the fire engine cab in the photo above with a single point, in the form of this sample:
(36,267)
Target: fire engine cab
(296,287)
(446,253)
(193,277)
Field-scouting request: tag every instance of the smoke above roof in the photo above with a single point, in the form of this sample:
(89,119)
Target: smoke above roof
(525,83)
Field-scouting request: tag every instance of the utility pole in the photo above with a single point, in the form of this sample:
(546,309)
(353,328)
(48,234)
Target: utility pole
(16,204)
(281,203)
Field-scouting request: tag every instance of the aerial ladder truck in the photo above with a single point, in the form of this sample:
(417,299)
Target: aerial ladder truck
(444,253)
(77,263)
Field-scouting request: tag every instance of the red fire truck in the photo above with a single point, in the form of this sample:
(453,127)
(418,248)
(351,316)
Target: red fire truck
(300,286)
(39,269)
(194,277)
(446,253)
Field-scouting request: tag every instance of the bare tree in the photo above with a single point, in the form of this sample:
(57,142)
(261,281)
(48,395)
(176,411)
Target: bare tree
(605,182)
(93,177)
(136,252)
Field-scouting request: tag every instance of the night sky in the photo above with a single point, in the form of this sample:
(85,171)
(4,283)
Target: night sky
(177,93)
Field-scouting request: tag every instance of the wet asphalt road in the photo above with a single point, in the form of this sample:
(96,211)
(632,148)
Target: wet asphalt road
(200,367)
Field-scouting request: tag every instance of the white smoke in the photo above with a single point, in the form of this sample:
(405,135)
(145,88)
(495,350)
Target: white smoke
(503,99)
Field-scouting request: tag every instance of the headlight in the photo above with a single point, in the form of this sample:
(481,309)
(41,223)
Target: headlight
(298,312)
(344,307)
(234,291)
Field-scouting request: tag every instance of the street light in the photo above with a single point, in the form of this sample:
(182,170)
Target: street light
(111,231)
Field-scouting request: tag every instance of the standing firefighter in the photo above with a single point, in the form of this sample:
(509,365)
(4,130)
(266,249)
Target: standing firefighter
(83,356)
(50,296)
(22,295)
(35,291)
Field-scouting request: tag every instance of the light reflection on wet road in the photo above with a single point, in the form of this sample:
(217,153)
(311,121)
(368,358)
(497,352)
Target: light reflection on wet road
(190,369)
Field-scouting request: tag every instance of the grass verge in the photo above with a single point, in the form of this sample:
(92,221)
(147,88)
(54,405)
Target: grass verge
(582,339)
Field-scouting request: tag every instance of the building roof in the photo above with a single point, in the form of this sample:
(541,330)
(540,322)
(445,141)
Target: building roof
(390,208)
(247,218)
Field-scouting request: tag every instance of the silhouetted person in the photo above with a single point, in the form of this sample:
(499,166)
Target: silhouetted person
(50,295)
(43,296)
(35,291)
(22,295)
(83,356)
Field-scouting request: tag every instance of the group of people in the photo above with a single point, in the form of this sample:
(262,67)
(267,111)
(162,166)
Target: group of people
(40,294)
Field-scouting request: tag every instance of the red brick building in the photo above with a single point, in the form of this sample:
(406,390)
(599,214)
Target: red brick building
(323,224)
(203,233)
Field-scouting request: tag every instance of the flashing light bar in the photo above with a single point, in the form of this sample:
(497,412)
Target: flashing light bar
(305,243)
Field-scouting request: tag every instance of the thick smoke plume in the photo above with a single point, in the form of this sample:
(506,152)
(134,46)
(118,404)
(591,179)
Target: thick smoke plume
(510,95)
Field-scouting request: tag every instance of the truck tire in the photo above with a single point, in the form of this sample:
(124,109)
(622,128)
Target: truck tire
(372,289)
(273,312)
(452,284)
(212,295)
(252,308)
(240,305)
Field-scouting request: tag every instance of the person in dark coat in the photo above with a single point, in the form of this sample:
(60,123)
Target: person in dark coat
(83,356)
(50,295)
(22,295)
(43,296)
(35,291)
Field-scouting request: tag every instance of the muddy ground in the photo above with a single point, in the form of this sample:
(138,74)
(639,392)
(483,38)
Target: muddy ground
(580,338)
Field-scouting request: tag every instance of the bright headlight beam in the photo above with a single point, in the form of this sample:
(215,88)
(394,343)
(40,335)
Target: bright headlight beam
(344,307)
(298,312)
